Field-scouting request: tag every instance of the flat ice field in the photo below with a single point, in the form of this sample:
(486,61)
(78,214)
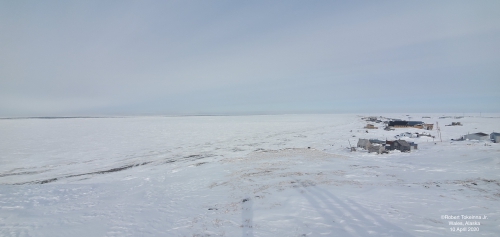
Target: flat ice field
(244,176)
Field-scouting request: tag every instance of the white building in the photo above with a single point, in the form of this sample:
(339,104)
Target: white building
(364,143)
(477,136)
(495,137)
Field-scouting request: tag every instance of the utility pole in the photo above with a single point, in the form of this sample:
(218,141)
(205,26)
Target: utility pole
(350,146)
(439,131)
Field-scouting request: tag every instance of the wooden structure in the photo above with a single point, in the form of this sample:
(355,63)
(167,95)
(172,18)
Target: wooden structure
(401,145)
(428,126)
(370,126)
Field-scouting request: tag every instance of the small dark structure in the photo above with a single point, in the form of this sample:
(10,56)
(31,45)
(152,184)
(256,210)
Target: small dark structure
(372,118)
(398,124)
(370,126)
(408,124)
(413,146)
(401,145)
(416,124)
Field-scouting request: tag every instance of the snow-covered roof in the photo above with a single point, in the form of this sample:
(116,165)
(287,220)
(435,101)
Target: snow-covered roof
(402,142)
(363,142)
(413,123)
(376,141)
(481,134)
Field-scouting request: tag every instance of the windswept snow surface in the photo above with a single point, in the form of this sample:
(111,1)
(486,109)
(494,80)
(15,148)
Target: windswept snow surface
(243,176)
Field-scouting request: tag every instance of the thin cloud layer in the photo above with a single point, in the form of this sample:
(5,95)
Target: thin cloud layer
(154,57)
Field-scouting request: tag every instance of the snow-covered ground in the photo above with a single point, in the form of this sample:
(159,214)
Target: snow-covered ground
(269,175)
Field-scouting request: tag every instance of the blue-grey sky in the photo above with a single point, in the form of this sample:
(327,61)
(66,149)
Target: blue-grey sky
(65,58)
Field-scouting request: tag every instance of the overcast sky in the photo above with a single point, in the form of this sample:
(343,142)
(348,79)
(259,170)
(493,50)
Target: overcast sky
(74,58)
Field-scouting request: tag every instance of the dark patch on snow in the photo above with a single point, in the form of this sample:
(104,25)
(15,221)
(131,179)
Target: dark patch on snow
(39,182)
(187,158)
(48,181)
(237,149)
(307,183)
(110,170)
(21,173)
(257,173)
(246,200)
(91,173)
(194,157)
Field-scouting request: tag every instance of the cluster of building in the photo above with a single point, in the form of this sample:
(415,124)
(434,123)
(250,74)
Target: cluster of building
(373,119)
(390,123)
(410,124)
(379,146)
